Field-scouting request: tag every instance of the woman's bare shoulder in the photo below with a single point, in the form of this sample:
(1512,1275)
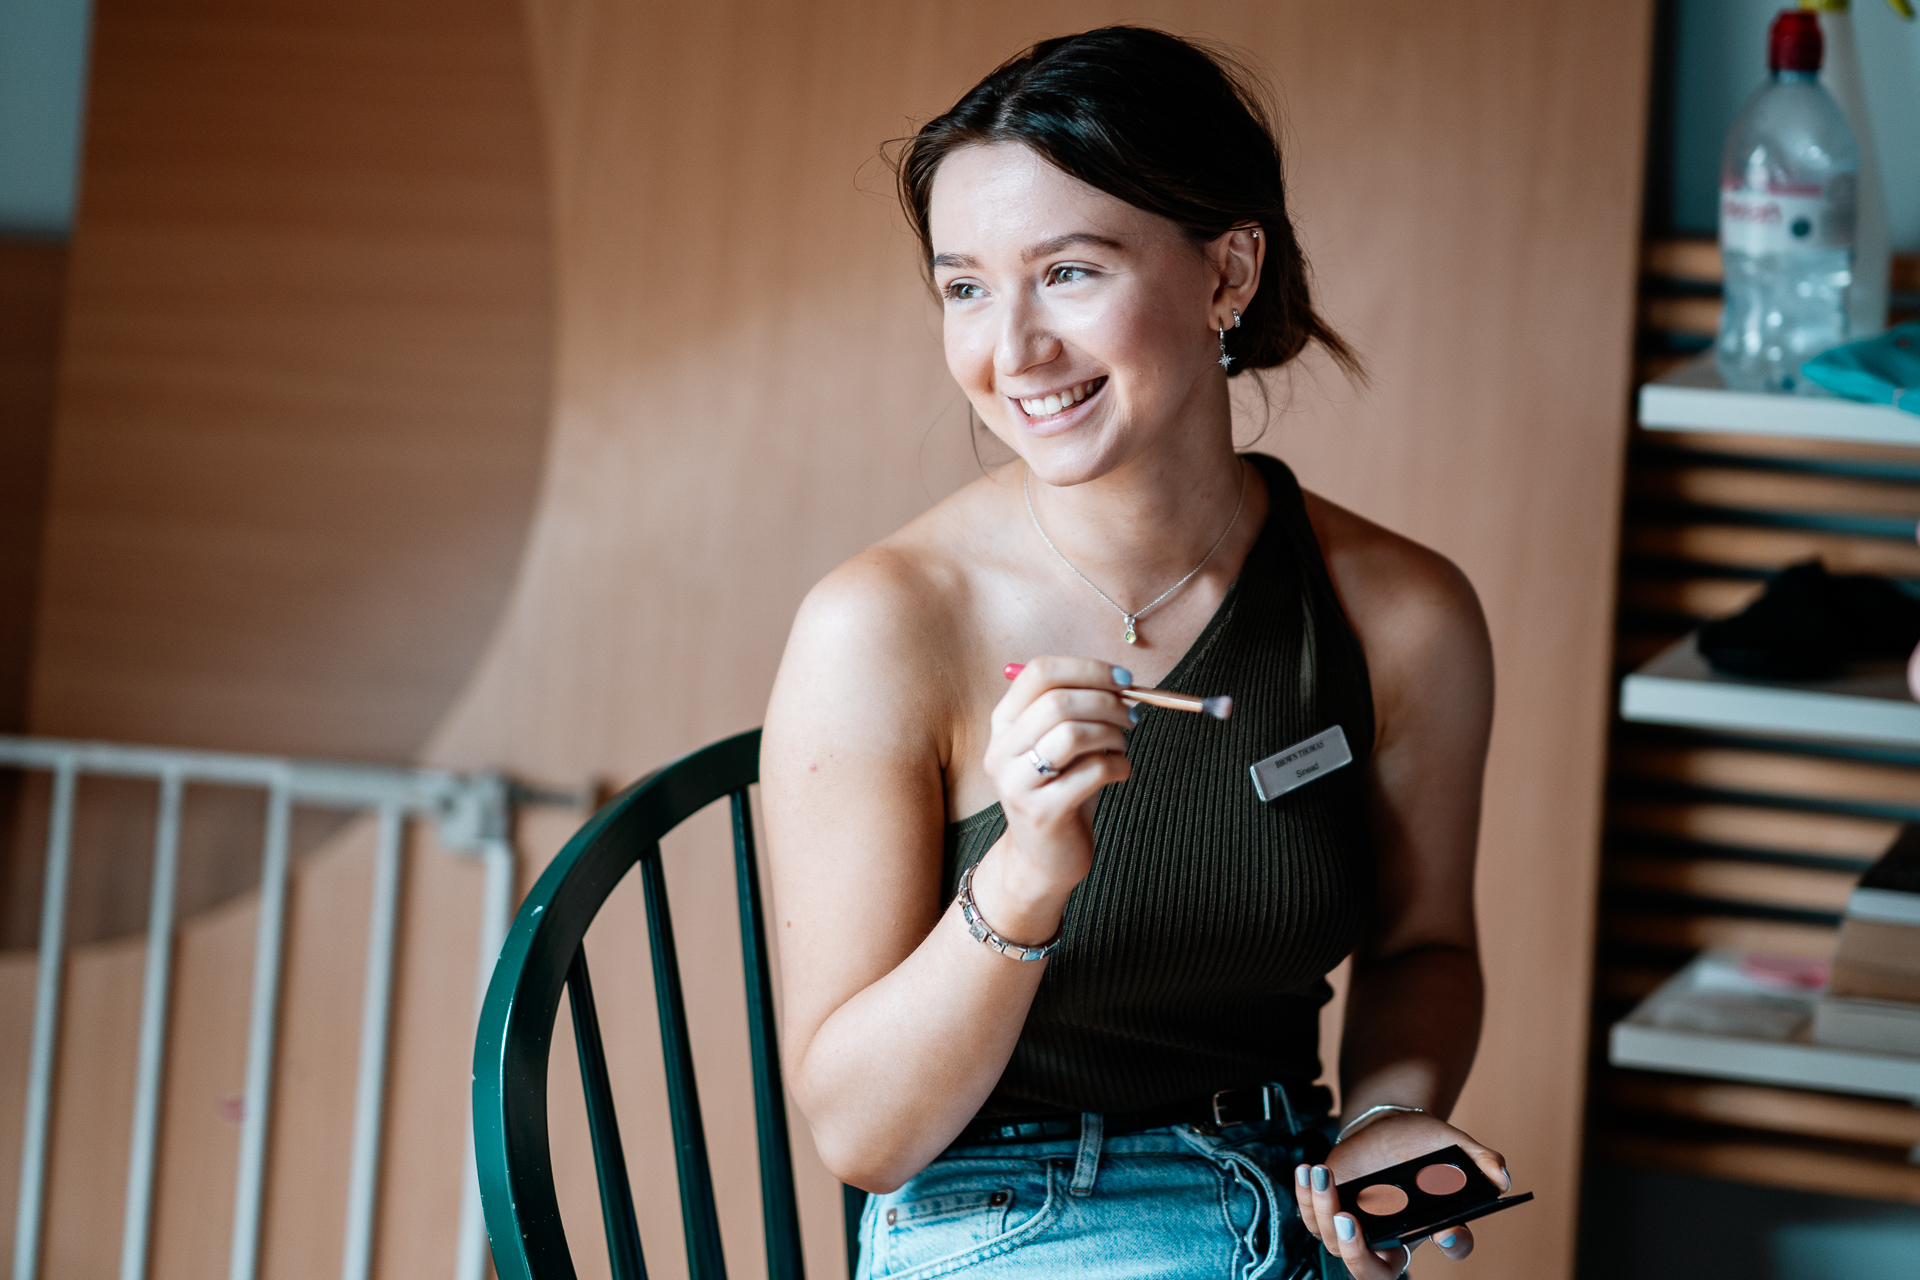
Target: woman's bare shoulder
(887,624)
(908,589)
(1417,616)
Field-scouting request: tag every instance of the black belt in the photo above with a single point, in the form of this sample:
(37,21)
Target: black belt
(1300,1105)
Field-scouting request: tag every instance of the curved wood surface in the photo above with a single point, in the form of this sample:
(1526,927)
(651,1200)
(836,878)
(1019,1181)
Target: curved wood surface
(302,400)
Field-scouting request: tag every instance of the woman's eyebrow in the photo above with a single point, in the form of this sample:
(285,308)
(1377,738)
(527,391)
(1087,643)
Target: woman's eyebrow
(1046,248)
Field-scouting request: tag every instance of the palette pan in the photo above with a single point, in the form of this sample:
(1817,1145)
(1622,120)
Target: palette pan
(1427,1194)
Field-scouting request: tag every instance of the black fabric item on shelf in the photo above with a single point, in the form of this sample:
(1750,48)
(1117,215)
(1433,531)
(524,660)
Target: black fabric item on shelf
(1899,867)
(1811,623)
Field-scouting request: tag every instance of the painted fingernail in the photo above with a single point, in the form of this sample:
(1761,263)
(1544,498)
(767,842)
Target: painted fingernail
(1133,715)
(1122,677)
(1013,669)
(1322,1179)
(1343,1226)
(1507,1176)
(1300,1173)
(1445,1241)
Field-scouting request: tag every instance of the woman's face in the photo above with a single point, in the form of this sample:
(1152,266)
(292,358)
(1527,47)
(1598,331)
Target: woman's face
(1081,327)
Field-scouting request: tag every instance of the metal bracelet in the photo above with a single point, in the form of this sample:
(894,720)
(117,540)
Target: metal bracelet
(1372,1113)
(983,932)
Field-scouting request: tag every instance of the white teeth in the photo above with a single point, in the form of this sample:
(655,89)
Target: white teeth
(1047,406)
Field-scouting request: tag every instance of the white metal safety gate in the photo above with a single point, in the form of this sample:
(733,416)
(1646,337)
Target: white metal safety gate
(472,814)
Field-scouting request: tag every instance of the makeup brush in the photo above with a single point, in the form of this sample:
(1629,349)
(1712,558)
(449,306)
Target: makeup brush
(1219,707)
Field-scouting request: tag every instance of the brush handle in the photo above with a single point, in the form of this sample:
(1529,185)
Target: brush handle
(1163,698)
(1152,697)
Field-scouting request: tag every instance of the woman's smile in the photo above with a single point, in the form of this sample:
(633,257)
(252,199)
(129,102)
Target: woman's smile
(1054,411)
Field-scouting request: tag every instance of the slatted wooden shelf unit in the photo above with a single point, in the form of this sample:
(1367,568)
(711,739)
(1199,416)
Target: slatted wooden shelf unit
(1744,839)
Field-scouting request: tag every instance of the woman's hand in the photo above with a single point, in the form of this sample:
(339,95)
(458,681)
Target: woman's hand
(1068,712)
(1385,1142)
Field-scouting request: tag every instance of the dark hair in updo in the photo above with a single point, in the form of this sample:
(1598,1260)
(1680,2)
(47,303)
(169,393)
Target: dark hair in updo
(1164,125)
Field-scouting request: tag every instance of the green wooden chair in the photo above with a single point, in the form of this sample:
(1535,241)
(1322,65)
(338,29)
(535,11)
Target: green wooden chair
(543,954)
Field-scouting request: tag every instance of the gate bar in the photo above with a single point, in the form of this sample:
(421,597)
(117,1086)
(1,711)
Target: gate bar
(46,1026)
(136,1232)
(267,954)
(363,1183)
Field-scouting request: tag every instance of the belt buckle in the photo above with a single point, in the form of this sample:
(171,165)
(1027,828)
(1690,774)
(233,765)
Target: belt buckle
(1267,1091)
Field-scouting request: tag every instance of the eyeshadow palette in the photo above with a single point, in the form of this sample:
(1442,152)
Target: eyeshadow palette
(1427,1194)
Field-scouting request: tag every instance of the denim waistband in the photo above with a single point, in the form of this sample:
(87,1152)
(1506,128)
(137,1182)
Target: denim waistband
(1246,1153)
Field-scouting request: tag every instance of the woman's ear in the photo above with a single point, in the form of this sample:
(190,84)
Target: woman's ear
(1236,257)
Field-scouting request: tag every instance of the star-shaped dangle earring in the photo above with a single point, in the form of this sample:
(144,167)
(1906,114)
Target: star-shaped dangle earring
(1225,359)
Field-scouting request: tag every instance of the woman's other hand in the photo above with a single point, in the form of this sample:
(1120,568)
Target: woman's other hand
(1386,1142)
(1068,713)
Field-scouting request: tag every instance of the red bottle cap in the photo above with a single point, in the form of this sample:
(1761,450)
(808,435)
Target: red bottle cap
(1794,44)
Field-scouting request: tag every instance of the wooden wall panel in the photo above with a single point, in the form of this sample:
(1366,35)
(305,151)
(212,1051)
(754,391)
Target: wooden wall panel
(749,389)
(303,390)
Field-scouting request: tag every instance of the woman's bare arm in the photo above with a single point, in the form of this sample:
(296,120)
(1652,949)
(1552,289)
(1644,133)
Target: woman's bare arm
(897,1023)
(1413,1007)
(1413,1011)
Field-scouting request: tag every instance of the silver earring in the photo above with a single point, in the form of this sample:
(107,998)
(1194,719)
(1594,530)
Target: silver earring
(1236,318)
(1225,359)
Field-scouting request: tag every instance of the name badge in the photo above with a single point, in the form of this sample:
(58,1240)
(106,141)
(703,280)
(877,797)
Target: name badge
(1300,763)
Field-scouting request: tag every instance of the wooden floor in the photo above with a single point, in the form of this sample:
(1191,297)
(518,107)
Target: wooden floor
(1734,841)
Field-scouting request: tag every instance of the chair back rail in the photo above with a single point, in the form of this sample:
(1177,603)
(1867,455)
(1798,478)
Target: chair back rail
(543,954)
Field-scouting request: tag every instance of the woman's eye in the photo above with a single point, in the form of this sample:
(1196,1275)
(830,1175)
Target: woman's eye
(1067,275)
(963,291)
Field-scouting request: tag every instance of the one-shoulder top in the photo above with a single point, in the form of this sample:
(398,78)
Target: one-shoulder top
(1194,955)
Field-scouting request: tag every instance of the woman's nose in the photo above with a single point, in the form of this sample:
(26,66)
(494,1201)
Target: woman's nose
(1024,342)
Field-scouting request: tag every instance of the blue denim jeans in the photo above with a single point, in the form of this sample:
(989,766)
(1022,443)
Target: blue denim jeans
(1172,1203)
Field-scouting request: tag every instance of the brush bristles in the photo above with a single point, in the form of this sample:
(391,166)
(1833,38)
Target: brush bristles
(1219,708)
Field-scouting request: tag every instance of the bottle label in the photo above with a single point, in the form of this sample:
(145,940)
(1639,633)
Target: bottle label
(1783,219)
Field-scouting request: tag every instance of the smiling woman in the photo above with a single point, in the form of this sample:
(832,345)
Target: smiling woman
(1054,962)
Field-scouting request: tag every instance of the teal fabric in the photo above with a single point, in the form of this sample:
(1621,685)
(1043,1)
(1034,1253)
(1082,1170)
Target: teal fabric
(1882,370)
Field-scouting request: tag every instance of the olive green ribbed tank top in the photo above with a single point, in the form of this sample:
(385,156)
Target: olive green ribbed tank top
(1194,955)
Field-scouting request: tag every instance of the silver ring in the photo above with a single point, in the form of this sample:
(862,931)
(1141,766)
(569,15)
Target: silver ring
(1042,765)
(1409,1261)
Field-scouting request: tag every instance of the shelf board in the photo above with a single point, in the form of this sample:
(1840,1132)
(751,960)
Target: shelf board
(1869,1121)
(1793,1166)
(1763,1036)
(1693,398)
(1678,687)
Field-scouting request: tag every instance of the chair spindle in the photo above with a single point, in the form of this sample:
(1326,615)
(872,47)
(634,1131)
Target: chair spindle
(777,1204)
(609,1159)
(699,1217)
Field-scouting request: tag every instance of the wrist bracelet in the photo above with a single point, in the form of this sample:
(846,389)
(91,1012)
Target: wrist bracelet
(982,931)
(1373,1113)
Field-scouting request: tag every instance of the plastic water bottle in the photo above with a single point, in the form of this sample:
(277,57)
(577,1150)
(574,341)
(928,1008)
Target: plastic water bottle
(1872,248)
(1788,179)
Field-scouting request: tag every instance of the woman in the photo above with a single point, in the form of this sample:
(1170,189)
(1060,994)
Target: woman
(1053,968)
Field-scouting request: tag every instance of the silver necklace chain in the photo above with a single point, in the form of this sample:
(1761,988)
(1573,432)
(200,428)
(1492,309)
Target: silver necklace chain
(1132,636)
